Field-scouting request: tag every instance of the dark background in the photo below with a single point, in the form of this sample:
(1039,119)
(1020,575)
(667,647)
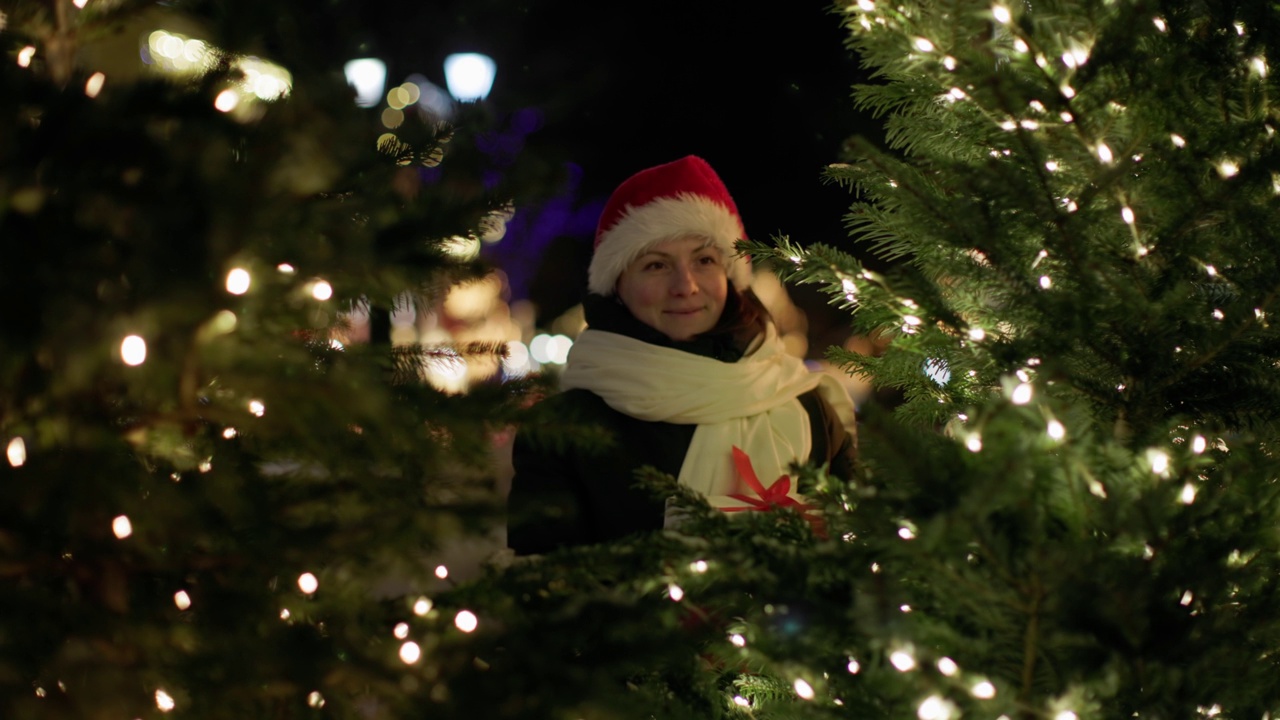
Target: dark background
(763,95)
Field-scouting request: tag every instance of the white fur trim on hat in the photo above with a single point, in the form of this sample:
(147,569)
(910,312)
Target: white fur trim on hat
(640,228)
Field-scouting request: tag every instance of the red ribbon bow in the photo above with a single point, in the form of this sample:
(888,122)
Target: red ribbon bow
(775,496)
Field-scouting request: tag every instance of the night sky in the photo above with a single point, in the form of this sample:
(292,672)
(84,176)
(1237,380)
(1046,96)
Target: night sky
(762,95)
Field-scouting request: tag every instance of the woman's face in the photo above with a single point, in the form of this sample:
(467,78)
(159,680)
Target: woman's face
(677,287)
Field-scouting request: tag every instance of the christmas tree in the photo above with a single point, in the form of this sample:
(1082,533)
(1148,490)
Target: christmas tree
(217,500)
(1073,513)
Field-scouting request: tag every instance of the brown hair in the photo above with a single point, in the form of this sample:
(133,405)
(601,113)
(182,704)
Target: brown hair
(744,317)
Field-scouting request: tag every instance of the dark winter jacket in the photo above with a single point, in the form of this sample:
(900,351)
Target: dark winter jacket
(573,497)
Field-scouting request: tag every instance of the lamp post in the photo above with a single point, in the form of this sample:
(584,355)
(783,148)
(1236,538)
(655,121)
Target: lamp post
(469,76)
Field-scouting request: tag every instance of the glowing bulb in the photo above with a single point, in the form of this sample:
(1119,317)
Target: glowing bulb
(741,701)
(1259,66)
(17,452)
(25,55)
(866,5)
(1104,153)
(912,320)
(284,614)
(1228,169)
(983,690)
(902,660)
(410,653)
(164,701)
(133,350)
(1159,461)
(803,689)
(308,583)
(1188,494)
(1022,394)
(935,708)
(1021,46)
(977,334)
(286,268)
(738,640)
(956,93)
(1056,430)
(93,85)
(1126,214)
(1008,125)
(466,621)
(1001,14)
(122,527)
(182,599)
(442,572)
(1198,444)
(422,606)
(1045,282)
(1067,91)
(257,408)
(321,290)
(229,433)
(906,533)
(675,592)
(80,3)
(401,630)
(1051,166)
(948,667)
(853,667)
(974,443)
(238,281)
(698,566)
(949,62)
(315,699)
(1066,715)
(1159,23)
(924,45)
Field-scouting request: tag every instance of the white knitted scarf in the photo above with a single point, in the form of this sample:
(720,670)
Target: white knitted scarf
(751,404)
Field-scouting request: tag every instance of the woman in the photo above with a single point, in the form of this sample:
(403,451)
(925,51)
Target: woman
(680,364)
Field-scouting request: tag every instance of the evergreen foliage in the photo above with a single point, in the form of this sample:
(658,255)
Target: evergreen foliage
(1074,512)
(156,519)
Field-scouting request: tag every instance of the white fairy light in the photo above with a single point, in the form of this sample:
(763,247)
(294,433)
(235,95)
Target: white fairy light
(315,699)
(1066,715)
(912,320)
(1066,116)
(923,44)
(257,408)
(1056,430)
(1021,45)
(238,281)
(803,689)
(1045,282)
(121,526)
(741,701)
(1258,65)
(1188,494)
(442,572)
(93,85)
(205,465)
(286,268)
(182,599)
(1177,140)
(1159,23)
(401,630)
(1126,214)
(675,592)
(1219,315)
(1228,169)
(422,606)
(25,55)
(1239,28)
(906,533)
(1041,61)
(977,334)
(410,653)
(1001,14)
(853,667)
(698,566)
(1198,444)
(284,614)
(227,100)
(983,690)
(133,350)
(1104,153)
(935,707)
(738,640)
(321,290)
(949,62)
(956,93)
(1051,165)
(1187,598)
(902,660)
(1022,394)
(867,5)
(1211,270)
(308,583)
(1008,125)
(17,452)
(948,667)
(1029,124)
(1159,461)
(164,701)
(466,621)
(974,443)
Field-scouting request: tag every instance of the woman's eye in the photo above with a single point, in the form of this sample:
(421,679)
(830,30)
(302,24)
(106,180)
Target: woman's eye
(708,260)
(655,265)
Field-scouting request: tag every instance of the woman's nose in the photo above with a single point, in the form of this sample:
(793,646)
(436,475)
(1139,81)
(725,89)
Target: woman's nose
(683,281)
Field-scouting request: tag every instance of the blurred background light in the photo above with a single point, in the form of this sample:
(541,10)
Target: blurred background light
(469,76)
(367,76)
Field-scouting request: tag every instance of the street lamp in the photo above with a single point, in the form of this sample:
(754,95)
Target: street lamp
(469,75)
(368,76)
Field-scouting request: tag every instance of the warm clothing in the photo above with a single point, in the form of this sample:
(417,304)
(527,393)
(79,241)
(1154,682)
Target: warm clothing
(679,407)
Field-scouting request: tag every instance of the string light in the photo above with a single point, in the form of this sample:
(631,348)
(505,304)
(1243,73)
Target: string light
(1021,394)
(974,443)
(1066,116)
(1126,214)
(1066,715)
(1188,494)
(1228,169)
(1056,430)
(1187,598)
(308,583)
(122,527)
(1021,46)
(1259,66)
(257,408)
(924,44)
(977,334)
(401,630)
(286,268)
(1001,14)
(164,701)
(422,606)
(133,350)
(675,592)
(229,433)
(93,85)
(1104,153)
(466,621)
(321,290)
(741,701)
(410,653)
(315,699)
(442,572)
(935,708)
(983,690)
(738,640)
(698,566)
(906,533)
(1045,282)
(902,660)
(1198,444)
(803,689)
(1159,461)
(853,667)
(949,62)
(1159,23)
(25,55)
(948,667)
(238,281)
(182,599)
(17,452)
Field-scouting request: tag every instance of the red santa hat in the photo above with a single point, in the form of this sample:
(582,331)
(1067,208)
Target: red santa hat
(680,198)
